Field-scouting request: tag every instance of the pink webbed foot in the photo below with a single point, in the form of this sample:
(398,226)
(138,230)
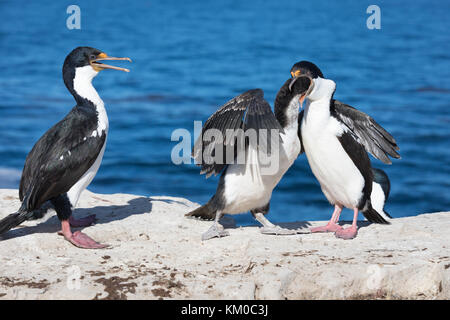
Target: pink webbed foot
(347,233)
(82,240)
(82,222)
(330,227)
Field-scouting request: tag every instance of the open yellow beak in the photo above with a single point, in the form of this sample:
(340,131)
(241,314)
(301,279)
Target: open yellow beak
(101,66)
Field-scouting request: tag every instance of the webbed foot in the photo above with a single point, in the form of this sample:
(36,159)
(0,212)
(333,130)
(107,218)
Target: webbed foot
(215,231)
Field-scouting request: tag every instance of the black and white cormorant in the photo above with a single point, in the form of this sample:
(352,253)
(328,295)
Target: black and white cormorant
(336,138)
(66,158)
(247,185)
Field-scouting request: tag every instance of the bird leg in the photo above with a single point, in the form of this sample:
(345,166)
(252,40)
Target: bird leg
(332,225)
(270,228)
(82,222)
(78,238)
(216,230)
(350,232)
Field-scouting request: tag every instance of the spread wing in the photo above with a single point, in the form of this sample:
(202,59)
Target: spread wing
(247,111)
(376,140)
(60,158)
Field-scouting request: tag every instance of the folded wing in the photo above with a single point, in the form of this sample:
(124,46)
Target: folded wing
(59,159)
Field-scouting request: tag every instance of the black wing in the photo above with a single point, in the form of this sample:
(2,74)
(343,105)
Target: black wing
(247,111)
(366,131)
(60,158)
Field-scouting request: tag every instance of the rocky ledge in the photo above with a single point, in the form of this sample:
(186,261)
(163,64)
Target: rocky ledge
(156,253)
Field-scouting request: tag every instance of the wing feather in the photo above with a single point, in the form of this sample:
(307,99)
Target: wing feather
(60,158)
(375,139)
(247,111)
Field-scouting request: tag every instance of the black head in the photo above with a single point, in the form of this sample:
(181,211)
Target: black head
(87,56)
(306,68)
(300,86)
(87,61)
(81,57)
(296,88)
(293,89)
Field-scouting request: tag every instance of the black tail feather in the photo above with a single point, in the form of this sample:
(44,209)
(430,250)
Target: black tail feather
(204,212)
(13,220)
(387,214)
(373,216)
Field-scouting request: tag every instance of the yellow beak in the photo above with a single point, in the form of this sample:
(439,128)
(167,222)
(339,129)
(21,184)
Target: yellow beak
(101,66)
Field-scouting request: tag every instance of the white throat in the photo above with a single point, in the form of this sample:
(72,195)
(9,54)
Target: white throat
(323,89)
(291,114)
(318,101)
(82,84)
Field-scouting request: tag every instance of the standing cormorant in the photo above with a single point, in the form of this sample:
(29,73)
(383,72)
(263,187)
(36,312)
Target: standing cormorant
(336,139)
(247,181)
(66,158)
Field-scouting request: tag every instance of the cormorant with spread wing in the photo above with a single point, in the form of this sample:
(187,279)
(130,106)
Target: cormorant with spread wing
(252,148)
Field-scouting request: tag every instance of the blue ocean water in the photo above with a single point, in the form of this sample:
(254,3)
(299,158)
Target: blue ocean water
(191,57)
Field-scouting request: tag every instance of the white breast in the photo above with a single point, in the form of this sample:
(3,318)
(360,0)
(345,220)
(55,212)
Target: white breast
(83,86)
(76,190)
(339,178)
(250,186)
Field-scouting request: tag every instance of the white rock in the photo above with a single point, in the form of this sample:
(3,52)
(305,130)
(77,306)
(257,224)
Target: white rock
(157,253)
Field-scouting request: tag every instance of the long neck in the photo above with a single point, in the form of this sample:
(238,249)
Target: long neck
(318,101)
(286,108)
(79,83)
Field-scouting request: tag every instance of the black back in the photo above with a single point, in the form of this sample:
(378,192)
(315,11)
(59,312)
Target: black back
(47,175)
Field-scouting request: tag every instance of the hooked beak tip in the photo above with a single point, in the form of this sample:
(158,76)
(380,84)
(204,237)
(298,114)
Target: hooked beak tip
(292,83)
